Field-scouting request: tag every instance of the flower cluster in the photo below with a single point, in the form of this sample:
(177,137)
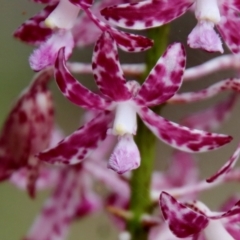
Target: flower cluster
(36,154)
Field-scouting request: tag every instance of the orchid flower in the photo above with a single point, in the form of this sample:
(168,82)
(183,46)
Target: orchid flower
(152,13)
(53,28)
(193,218)
(28,129)
(125,100)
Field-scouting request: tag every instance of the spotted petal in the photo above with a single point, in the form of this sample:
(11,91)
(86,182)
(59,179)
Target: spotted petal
(131,42)
(76,147)
(28,127)
(73,90)
(126,41)
(165,78)
(145,14)
(34,31)
(229,84)
(180,137)
(230,21)
(182,221)
(107,70)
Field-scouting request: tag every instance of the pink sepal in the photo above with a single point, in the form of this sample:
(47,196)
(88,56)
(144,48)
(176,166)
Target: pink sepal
(146,14)
(74,90)
(34,31)
(180,137)
(165,78)
(76,147)
(107,69)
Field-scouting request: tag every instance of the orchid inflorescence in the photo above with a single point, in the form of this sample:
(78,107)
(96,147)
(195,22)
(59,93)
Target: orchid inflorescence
(35,153)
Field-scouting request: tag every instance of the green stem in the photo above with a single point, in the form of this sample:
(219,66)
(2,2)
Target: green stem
(140,201)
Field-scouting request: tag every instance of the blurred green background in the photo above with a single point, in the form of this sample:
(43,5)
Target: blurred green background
(17,211)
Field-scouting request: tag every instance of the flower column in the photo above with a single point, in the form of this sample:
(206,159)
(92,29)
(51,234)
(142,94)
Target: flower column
(140,202)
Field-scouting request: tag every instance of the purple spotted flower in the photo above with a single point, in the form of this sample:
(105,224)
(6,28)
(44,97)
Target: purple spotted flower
(120,103)
(27,130)
(152,13)
(193,219)
(58,25)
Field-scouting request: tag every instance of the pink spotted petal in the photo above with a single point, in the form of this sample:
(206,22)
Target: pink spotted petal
(230,21)
(182,221)
(126,41)
(165,78)
(227,167)
(131,42)
(215,115)
(46,54)
(76,147)
(125,156)
(145,14)
(180,137)
(29,125)
(228,84)
(34,31)
(74,90)
(204,36)
(107,70)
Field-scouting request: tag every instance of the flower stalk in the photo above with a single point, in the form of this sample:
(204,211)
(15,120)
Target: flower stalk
(140,201)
